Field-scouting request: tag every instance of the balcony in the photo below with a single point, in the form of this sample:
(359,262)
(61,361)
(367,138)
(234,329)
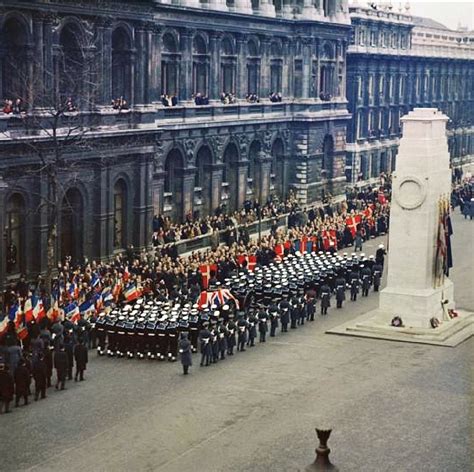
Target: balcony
(153,116)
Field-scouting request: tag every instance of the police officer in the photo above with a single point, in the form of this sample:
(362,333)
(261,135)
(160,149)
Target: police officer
(252,328)
(285,308)
(230,334)
(340,291)
(380,255)
(274,315)
(325,299)
(354,280)
(377,276)
(262,324)
(242,326)
(366,275)
(205,344)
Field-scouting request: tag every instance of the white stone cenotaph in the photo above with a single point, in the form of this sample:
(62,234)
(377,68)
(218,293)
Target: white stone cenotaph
(422,179)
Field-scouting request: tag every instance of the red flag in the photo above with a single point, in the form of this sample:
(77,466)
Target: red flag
(279,251)
(205,271)
(352,222)
(28,310)
(381,198)
(251,261)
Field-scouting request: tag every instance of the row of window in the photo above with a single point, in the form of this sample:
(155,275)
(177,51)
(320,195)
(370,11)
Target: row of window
(425,87)
(383,39)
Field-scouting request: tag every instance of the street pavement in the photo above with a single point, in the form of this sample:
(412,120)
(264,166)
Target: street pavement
(392,406)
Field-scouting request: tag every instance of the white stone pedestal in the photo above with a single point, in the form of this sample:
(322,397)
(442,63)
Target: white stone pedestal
(422,178)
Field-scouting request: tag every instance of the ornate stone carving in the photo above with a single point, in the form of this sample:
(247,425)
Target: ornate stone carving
(217,145)
(189,145)
(243,143)
(267,136)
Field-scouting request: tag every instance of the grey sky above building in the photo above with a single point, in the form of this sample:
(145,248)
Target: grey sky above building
(450,14)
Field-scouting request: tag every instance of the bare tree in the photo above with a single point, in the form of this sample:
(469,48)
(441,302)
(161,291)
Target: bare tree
(54,107)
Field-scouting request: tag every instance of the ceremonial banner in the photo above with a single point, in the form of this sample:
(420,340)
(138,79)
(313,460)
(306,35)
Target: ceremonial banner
(251,261)
(205,271)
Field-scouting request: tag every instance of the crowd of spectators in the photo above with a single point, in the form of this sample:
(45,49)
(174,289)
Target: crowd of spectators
(275,97)
(252,98)
(200,99)
(119,104)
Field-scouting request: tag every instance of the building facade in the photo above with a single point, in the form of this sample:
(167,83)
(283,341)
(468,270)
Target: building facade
(93,151)
(397,62)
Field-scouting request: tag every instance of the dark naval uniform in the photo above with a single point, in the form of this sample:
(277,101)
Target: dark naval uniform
(340,291)
(205,343)
(366,275)
(354,280)
(325,299)
(377,276)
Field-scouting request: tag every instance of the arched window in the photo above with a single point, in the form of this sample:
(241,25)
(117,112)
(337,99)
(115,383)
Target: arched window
(121,65)
(328,156)
(14,232)
(200,66)
(228,66)
(14,81)
(70,64)
(71,225)
(169,65)
(120,214)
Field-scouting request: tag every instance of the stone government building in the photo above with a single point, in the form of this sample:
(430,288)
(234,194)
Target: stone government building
(346,75)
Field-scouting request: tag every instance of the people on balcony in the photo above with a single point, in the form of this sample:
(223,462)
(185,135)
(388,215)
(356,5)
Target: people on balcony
(119,104)
(70,105)
(228,98)
(252,98)
(275,97)
(16,107)
(169,101)
(200,99)
(325,97)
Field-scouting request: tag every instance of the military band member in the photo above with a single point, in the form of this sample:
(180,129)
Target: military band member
(274,315)
(242,332)
(354,278)
(185,352)
(252,328)
(230,333)
(325,299)
(262,324)
(366,275)
(205,344)
(340,291)
(377,275)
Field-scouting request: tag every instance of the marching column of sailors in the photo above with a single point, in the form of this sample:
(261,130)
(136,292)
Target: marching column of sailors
(281,295)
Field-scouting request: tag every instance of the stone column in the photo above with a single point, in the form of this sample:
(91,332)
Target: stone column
(307,54)
(287,9)
(214,67)
(3,242)
(38,71)
(241,85)
(154,63)
(265,68)
(158,185)
(142,206)
(141,65)
(286,69)
(105,66)
(220,5)
(309,11)
(188,190)
(267,8)
(103,215)
(216,185)
(186,68)
(243,6)
(263,177)
(337,92)
(241,169)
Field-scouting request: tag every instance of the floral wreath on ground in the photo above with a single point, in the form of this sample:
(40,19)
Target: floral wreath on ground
(397,322)
(452,313)
(434,322)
